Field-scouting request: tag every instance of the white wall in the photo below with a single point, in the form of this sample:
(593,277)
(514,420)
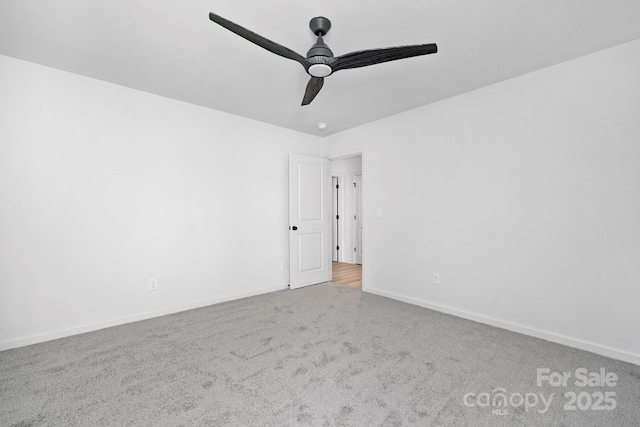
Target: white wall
(347,168)
(103,187)
(524,196)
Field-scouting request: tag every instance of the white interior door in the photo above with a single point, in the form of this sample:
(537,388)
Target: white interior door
(358,218)
(309,221)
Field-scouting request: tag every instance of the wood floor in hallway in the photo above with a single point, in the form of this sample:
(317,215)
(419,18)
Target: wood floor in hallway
(347,274)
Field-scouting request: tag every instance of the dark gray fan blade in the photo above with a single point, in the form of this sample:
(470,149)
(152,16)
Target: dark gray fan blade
(259,40)
(363,58)
(313,87)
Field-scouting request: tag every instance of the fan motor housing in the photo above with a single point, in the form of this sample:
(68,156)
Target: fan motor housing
(320,49)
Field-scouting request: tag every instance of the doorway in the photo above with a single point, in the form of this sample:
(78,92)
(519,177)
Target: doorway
(312,227)
(347,220)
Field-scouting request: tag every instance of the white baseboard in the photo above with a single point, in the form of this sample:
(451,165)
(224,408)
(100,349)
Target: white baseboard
(548,336)
(6,345)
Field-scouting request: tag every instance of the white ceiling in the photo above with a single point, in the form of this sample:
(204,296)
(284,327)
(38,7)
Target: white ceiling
(171,48)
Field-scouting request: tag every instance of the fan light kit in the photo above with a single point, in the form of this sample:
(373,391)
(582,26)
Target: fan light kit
(320,70)
(320,61)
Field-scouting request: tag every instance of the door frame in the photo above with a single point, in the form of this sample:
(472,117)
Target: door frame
(355,222)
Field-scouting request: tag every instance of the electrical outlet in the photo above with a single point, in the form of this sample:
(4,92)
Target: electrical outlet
(436,279)
(283,265)
(153,284)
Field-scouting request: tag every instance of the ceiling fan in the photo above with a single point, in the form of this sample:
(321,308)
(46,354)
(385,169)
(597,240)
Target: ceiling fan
(320,61)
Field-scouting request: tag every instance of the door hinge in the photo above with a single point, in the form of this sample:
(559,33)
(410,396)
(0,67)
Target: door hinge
(354,184)
(337,185)
(354,217)
(354,249)
(337,216)
(337,248)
